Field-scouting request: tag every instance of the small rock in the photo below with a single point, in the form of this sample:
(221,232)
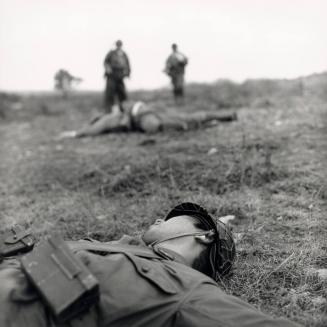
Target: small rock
(238,237)
(59,147)
(322,273)
(278,123)
(319,301)
(127,169)
(212,151)
(279,218)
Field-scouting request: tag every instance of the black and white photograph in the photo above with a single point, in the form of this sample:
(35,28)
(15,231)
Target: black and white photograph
(163,163)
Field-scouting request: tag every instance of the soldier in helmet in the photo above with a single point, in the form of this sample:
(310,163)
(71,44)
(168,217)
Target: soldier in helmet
(166,278)
(117,67)
(175,69)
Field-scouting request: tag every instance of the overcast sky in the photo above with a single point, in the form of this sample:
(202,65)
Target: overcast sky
(234,39)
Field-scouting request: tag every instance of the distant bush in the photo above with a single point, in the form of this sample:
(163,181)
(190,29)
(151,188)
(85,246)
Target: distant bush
(224,93)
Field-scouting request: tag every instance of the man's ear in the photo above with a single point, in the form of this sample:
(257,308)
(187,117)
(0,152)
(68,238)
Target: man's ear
(158,221)
(206,238)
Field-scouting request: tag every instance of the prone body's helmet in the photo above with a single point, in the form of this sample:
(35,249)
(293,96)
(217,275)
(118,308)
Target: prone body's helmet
(222,251)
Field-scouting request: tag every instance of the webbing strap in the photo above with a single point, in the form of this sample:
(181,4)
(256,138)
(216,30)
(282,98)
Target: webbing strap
(113,248)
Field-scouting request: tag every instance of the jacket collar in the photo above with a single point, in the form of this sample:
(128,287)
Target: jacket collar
(168,254)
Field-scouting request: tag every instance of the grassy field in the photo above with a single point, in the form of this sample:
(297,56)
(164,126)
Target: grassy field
(267,169)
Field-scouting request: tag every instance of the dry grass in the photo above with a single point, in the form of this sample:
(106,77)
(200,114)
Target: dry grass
(268,170)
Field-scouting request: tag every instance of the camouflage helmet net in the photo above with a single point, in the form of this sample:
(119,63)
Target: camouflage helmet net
(222,252)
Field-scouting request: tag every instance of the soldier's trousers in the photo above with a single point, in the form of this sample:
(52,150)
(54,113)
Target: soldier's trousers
(178,85)
(115,90)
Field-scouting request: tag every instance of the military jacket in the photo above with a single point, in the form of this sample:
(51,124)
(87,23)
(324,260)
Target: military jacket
(175,64)
(135,291)
(119,64)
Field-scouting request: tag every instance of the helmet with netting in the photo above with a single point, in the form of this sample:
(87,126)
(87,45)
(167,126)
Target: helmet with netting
(222,251)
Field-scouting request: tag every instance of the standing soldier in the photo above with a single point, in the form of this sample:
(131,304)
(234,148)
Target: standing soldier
(117,67)
(175,68)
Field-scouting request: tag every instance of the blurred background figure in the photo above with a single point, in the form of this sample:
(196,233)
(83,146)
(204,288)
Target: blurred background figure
(175,69)
(64,82)
(117,67)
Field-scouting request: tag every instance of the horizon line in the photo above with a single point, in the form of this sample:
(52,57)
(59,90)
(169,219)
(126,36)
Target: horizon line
(164,87)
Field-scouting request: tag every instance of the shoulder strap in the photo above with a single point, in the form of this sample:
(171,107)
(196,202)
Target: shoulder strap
(113,248)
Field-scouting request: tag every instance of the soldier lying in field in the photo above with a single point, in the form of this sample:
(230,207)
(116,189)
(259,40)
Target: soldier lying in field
(143,118)
(166,278)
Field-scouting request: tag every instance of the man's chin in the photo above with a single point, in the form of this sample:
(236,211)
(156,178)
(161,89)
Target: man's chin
(146,238)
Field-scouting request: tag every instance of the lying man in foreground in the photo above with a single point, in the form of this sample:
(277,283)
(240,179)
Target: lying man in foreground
(167,278)
(144,118)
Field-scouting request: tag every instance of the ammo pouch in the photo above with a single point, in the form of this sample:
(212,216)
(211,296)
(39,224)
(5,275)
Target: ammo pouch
(15,241)
(66,285)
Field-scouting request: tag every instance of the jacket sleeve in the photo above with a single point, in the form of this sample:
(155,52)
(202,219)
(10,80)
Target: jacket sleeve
(167,69)
(185,61)
(128,66)
(107,59)
(209,306)
(107,64)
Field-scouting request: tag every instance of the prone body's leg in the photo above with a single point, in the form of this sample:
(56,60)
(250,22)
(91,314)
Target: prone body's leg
(220,116)
(203,117)
(107,123)
(173,122)
(185,121)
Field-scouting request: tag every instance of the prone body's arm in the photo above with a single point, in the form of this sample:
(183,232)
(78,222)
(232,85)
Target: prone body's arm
(211,307)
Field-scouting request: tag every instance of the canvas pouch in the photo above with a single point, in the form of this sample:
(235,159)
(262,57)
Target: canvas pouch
(67,287)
